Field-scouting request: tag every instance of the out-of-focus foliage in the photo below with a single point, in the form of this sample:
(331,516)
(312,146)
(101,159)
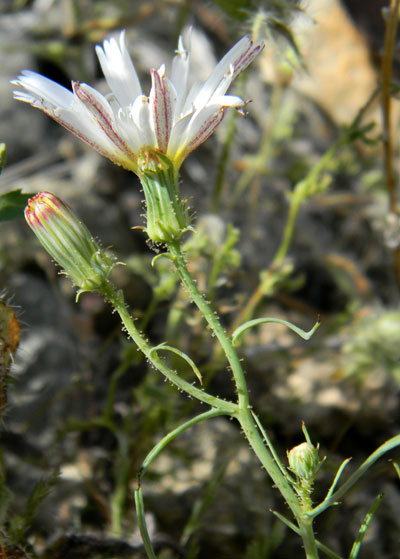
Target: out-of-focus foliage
(373,347)
(3,155)
(12,205)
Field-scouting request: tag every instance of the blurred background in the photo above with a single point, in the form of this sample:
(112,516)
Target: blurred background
(294,219)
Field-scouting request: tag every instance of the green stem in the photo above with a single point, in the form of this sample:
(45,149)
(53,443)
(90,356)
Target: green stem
(308,537)
(117,301)
(295,529)
(243,413)
(302,191)
(174,249)
(288,232)
(348,136)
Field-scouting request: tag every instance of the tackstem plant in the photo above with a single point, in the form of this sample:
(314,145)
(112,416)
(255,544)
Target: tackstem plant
(151,136)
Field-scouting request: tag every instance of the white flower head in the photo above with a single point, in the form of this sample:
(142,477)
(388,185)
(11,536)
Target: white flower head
(173,119)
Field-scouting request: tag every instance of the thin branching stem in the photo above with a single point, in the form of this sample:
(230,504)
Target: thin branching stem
(117,301)
(243,413)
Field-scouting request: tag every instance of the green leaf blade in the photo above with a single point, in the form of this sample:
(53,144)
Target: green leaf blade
(12,204)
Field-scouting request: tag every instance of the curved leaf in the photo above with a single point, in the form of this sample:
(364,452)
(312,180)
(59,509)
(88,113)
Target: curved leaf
(155,451)
(161,255)
(181,354)
(255,322)
(146,463)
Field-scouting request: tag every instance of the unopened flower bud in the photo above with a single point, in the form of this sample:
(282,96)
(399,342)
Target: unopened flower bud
(303,461)
(68,241)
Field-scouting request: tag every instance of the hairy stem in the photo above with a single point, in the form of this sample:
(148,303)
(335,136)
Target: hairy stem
(117,301)
(243,413)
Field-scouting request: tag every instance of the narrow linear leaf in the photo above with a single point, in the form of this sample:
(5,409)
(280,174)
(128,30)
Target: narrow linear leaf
(255,322)
(158,256)
(143,525)
(270,446)
(364,527)
(149,459)
(155,451)
(181,354)
(336,479)
(305,432)
(347,485)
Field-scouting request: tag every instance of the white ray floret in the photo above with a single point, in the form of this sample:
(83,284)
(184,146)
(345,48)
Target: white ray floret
(172,119)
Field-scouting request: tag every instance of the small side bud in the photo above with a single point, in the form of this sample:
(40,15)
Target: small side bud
(68,241)
(303,461)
